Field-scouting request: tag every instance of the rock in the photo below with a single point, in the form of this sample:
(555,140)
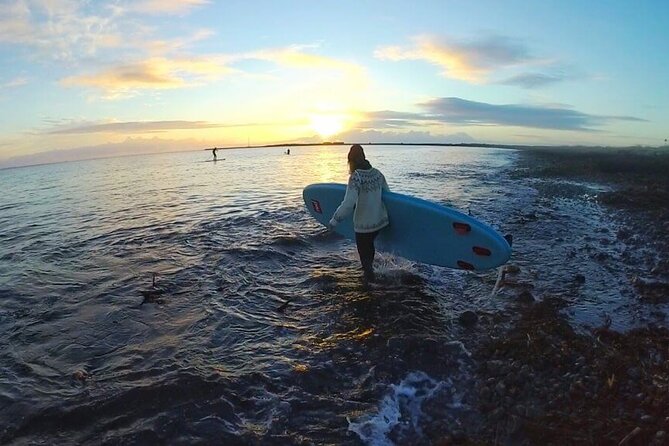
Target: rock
(485,393)
(495,367)
(646,419)
(500,388)
(81,375)
(526,297)
(468,318)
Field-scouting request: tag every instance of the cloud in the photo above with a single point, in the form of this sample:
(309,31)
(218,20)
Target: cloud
(457,111)
(464,112)
(166,6)
(533,80)
(134,127)
(16,82)
(295,57)
(413,136)
(388,119)
(140,127)
(471,61)
(75,31)
(153,73)
(58,29)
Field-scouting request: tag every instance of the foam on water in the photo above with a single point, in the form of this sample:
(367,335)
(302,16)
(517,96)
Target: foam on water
(400,412)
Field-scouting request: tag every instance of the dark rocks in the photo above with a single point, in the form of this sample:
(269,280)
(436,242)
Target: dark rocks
(468,318)
(81,375)
(526,297)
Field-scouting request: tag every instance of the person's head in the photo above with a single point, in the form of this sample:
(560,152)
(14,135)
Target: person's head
(356,158)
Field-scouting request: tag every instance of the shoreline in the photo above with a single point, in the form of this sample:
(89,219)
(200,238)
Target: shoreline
(542,379)
(633,150)
(549,148)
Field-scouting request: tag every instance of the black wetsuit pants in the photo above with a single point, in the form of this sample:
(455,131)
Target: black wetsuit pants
(365,243)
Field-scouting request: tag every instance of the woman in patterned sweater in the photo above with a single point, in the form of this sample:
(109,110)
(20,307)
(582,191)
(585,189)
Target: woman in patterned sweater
(363,198)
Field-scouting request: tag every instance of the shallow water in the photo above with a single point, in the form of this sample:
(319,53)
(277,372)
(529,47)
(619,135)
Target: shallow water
(264,331)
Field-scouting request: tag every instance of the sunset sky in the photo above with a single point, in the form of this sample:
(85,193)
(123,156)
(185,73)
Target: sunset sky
(82,79)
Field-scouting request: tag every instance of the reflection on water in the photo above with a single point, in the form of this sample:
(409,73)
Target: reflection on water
(263,330)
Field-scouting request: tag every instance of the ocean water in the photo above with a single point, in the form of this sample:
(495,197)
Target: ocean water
(264,332)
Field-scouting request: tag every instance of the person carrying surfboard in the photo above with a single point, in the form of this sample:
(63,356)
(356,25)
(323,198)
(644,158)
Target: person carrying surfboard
(363,198)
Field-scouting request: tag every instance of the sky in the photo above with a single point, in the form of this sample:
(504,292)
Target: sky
(86,79)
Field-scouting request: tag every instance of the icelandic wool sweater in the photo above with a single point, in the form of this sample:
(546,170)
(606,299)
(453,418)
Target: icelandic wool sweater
(363,197)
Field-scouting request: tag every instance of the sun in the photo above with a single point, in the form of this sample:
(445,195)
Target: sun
(326,125)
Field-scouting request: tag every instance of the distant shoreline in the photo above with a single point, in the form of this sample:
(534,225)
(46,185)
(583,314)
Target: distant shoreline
(632,150)
(580,148)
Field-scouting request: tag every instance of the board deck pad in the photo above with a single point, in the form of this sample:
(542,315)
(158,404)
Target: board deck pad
(419,230)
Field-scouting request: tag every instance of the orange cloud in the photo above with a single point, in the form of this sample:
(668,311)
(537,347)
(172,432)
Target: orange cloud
(294,57)
(469,61)
(167,6)
(153,73)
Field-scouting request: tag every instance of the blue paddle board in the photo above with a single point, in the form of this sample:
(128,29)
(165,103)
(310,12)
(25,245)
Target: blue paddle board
(419,230)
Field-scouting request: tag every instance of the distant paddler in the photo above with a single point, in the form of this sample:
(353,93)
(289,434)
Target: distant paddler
(213,152)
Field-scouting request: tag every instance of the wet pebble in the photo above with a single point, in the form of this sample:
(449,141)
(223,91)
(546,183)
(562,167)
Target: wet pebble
(647,419)
(500,388)
(485,393)
(495,367)
(81,375)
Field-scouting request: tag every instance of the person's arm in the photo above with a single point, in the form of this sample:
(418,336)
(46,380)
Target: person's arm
(348,204)
(385,184)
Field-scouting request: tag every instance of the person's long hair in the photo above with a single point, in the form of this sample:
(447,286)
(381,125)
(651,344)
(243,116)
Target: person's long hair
(356,159)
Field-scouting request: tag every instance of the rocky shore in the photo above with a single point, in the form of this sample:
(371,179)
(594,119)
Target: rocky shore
(542,380)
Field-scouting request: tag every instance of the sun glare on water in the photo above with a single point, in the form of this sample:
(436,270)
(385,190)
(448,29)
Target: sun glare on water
(326,125)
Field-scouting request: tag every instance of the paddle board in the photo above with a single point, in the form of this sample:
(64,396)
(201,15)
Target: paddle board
(419,230)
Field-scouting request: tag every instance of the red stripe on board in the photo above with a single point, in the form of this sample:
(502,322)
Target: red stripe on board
(481,251)
(461,228)
(464,265)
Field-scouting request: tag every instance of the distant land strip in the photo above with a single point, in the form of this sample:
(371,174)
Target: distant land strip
(579,148)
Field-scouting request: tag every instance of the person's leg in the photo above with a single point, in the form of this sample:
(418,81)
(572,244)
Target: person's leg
(366,250)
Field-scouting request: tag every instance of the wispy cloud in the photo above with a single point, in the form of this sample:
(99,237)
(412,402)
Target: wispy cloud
(461,111)
(457,111)
(59,29)
(471,61)
(133,127)
(296,56)
(16,82)
(533,80)
(154,73)
(69,30)
(166,6)
(178,72)
(143,127)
